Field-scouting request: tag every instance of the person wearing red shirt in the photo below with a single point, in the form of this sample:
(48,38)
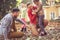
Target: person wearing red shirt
(32,16)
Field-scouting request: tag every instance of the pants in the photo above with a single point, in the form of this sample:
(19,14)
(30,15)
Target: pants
(0,30)
(15,34)
(34,29)
(41,23)
(11,34)
(4,33)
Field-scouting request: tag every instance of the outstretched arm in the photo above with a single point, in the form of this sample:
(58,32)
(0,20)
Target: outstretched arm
(21,21)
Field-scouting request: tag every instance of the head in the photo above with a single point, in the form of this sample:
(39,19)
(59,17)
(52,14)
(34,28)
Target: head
(15,12)
(36,2)
(29,5)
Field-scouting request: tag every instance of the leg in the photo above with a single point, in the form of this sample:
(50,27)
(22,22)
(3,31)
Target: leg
(41,24)
(15,34)
(4,33)
(34,30)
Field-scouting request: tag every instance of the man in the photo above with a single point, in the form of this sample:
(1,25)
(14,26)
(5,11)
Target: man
(32,17)
(7,23)
(40,16)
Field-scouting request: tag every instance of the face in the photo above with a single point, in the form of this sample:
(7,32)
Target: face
(36,3)
(16,14)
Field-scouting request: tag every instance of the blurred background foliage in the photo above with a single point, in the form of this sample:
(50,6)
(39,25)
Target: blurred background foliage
(6,5)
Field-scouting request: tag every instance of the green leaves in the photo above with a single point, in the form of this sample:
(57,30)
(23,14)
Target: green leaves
(18,2)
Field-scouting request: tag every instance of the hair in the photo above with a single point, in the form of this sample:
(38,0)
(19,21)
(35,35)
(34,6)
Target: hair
(28,4)
(15,10)
(35,0)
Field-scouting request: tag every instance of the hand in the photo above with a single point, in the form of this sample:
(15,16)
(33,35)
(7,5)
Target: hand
(26,24)
(33,12)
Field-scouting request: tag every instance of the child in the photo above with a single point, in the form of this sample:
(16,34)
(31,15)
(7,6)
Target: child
(32,17)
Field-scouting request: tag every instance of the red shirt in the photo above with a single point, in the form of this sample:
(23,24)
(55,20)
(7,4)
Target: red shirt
(32,16)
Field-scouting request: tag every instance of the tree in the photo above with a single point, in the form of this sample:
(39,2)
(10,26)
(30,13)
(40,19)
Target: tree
(25,1)
(5,6)
(44,2)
